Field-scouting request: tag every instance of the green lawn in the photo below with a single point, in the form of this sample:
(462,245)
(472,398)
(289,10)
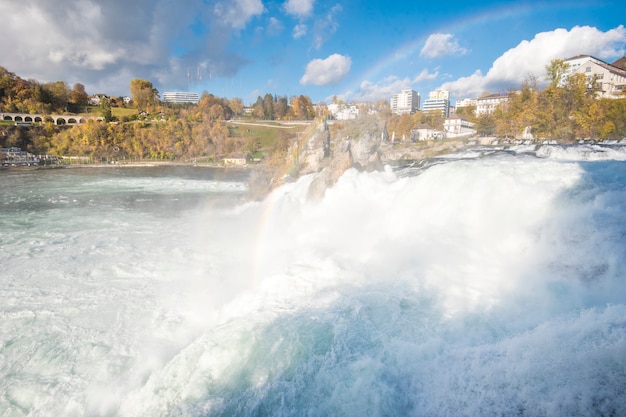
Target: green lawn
(120,112)
(265,134)
(117,112)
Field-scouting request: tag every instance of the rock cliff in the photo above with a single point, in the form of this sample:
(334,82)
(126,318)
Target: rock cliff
(329,149)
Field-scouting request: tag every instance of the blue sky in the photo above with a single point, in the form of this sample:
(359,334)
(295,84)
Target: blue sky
(354,50)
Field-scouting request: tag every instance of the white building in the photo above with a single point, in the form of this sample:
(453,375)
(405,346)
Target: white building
(406,101)
(487,104)
(425,132)
(610,79)
(237,159)
(437,105)
(439,95)
(96,99)
(466,102)
(180,97)
(343,111)
(456,126)
(438,100)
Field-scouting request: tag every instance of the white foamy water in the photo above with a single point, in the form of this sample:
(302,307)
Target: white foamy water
(475,287)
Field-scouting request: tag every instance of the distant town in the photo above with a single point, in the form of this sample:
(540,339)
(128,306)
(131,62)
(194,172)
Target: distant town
(584,99)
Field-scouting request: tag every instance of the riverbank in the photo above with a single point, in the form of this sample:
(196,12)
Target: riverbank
(132,165)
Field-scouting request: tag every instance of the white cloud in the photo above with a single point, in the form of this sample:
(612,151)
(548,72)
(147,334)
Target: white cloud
(326,27)
(238,13)
(95,42)
(300,8)
(440,44)
(425,76)
(531,57)
(326,71)
(384,89)
(369,91)
(274,27)
(299,30)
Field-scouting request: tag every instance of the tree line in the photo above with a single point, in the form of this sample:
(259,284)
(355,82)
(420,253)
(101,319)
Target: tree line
(180,132)
(155,130)
(272,107)
(567,109)
(30,96)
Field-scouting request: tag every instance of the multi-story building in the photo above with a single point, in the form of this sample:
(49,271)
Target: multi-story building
(180,97)
(488,103)
(609,78)
(466,102)
(406,101)
(456,126)
(438,100)
(439,95)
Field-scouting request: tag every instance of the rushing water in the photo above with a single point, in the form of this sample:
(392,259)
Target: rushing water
(478,286)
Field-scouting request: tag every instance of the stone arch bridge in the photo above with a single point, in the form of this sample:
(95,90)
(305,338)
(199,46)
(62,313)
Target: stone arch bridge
(57,119)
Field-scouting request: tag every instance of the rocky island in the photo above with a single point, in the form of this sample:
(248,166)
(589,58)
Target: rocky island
(330,148)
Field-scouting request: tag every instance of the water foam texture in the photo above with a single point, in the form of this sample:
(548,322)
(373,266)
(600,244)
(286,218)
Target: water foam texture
(485,286)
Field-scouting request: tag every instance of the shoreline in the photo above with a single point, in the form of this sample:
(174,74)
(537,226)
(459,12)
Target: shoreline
(132,165)
(421,154)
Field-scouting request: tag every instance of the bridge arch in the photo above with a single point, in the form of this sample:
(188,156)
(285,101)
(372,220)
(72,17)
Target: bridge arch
(57,119)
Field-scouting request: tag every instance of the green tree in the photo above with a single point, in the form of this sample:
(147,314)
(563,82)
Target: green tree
(268,107)
(105,109)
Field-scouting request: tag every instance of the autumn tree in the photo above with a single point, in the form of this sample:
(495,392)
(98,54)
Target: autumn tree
(78,95)
(485,125)
(302,107)
(401,125)
(281,107)
(59,95)
(258,111)
(469,112)
(433,118)
(7,83)
(236,105)
(143,93)
(555,72)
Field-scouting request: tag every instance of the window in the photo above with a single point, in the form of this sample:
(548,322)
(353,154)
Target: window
(588,69)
